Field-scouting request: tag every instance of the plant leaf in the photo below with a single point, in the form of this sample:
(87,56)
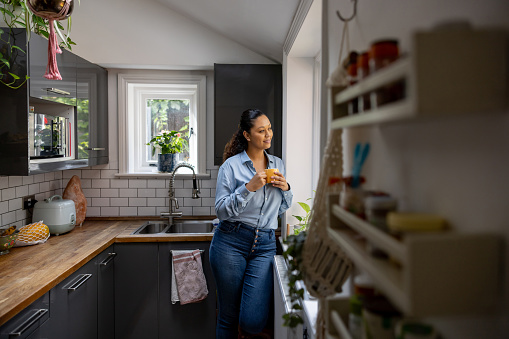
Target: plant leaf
(305,206)
(14,76)
(18,48)
(6,62)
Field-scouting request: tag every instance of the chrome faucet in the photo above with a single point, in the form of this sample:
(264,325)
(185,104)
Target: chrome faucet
(174,205)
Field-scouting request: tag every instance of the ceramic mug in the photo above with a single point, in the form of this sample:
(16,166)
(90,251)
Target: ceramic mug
(270,172)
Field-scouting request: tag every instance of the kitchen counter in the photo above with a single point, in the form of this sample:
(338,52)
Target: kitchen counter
(29,272)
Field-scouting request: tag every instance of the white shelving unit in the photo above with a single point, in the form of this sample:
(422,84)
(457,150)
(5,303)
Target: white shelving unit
(449,72)
(428,274)
(337,311)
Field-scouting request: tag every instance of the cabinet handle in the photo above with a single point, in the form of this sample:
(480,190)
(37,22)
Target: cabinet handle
(38,314)
(58,91)
(108,259)
(96,149)
(80,281)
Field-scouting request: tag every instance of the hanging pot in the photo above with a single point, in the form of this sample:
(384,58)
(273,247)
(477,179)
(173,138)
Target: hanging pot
(167,162)
(51,8)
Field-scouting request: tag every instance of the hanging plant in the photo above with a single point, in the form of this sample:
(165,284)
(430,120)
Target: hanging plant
(16,14)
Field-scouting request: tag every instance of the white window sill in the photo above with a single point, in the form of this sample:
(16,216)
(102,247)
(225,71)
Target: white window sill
(158,175)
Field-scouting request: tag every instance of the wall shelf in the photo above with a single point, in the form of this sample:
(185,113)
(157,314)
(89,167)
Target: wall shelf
(448,73)
(435,274)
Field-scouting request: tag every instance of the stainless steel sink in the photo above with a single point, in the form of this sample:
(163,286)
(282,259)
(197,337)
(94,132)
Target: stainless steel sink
(180,226)
(191,226)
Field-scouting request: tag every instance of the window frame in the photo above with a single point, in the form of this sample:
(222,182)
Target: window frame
(127,121)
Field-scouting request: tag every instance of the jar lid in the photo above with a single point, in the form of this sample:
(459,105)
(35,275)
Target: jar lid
(405,222)
(384,49)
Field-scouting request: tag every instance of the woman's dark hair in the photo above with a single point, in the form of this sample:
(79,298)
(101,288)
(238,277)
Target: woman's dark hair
(238,142)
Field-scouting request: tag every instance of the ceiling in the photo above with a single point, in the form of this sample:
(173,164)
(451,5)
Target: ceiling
(260,25)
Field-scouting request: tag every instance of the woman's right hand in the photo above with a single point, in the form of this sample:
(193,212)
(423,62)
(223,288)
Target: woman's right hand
(257,181)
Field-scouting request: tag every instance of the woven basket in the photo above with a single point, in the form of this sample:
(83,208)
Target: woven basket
(326,267)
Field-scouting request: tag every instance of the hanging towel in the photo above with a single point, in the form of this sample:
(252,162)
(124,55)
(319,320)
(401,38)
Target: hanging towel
(188,281)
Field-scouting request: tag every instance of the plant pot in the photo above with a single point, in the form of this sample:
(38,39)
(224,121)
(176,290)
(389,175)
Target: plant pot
(167,162)
(50,8)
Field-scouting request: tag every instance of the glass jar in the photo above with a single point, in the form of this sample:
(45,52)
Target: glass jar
(363,72)
(381,54)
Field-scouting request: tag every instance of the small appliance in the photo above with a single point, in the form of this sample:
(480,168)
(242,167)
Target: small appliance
(57,213)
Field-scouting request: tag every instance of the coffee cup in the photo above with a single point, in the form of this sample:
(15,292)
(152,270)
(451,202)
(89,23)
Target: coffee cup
(270,173)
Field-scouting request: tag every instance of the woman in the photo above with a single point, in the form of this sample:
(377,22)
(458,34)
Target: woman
(244,244)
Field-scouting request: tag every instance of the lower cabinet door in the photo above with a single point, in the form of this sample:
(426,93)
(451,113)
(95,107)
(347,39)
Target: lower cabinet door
(27,323)
(196,320)
(136,290)
(106,294)
(73,305)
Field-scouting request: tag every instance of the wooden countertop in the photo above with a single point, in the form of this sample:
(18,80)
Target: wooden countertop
(27,273)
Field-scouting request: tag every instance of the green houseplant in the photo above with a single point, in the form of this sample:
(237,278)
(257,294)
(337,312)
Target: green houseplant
(168,142)
(15,14)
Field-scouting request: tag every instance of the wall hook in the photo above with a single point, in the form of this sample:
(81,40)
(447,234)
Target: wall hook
(351,17)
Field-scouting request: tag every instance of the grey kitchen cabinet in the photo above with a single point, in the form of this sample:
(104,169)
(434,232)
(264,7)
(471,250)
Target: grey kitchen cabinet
(105,263)
(73,305)
(92,112)
(196,320)
(136,290)
(29,322)
(50,97)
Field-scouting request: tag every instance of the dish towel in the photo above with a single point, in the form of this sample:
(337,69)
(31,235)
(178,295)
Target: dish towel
(188,284)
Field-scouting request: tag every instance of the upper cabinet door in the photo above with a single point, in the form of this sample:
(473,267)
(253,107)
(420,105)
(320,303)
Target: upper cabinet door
(63,91)
(92,110)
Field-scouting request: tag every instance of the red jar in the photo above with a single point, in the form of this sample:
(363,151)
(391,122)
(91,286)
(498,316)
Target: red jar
(382,53)
(362,72)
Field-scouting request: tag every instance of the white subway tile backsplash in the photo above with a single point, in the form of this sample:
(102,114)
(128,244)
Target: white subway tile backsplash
(28,180)
(128,211)
(137,183)
(176,184)
(119,202)
(49,176)
(39,178)
(101,183)
(128,192)
(8,193)
(138,202)
(110,211)
(91,174)
(93,211)
(208,202)
(33,188)
(21,191)
(55,185)
(160,210)
(201,210)
(92,192)
(103,202)
(208,183)
(183,192)
(213,173)
(85,183)
(15,181)
(149,211)
(58,175)
(162,192)
(70,173)
(109,192)
(4,207)
(156,202)
(212,192)
(188,183)
(186,210)
(108,174)
(21,215)
(8,218)
(205,193)
(44,186)
(146,192)
(4,182)
(119,183)
(156,183)
(192,202)
(15,204)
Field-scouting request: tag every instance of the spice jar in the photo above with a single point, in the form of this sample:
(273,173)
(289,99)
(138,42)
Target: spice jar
(353,105)
(381,54)
(363,72)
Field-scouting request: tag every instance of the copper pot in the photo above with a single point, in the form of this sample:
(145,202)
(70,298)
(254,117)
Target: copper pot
(51,8)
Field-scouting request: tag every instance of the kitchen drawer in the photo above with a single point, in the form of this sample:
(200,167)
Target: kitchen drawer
(27,322)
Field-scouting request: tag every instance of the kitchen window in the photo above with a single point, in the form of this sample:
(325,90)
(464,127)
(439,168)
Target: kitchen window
(151,104)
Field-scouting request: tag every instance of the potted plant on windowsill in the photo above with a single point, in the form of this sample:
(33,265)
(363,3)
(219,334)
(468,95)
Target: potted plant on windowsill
(170,145)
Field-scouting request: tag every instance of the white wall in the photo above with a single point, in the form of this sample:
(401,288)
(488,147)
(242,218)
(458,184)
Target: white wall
(455,167)
(299,131)
(147,34)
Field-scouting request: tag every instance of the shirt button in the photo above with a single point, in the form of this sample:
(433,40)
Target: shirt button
(262,213)
(252,250)
(256,240)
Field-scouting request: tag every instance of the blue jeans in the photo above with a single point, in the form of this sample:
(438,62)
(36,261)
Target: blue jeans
(241,259)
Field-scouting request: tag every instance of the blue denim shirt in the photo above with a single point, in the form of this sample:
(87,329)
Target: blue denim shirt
(234,202)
